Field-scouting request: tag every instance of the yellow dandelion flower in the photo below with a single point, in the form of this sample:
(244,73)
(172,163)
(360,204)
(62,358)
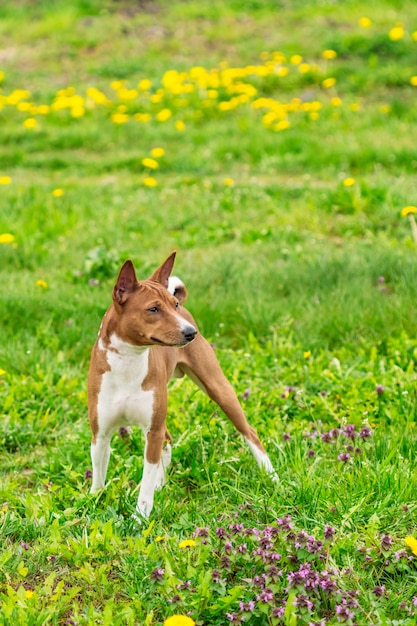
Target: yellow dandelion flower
(229,182)
(150,163)
(29,593)
(336,102)
(187,543)
(413,81)
(1,76)
(77,111)
(414,36)
(396,33)
(5,507)
(411,542)
(349,182)
(119,118)
(149,181)
(117,84)
(2,372)
(179,125)
(160,538)
(408,210)
(296,59)
(41,283)
(144,84)
(307,354)
(157,152)
(57,193)
(282,125)
(179,620)
(5,180)
(385,108)
(328,82)
(6,238)
(314,115)
(303,68)
(355,106)
(30,122)
(329,54)
(163,115)
(365,22)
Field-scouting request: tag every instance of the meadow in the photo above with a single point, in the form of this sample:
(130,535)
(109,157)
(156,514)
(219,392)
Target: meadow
(272,144)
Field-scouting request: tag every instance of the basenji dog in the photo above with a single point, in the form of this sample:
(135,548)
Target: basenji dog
(146,338)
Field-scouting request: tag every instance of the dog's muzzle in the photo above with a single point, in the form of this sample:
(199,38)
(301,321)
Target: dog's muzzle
(189,333)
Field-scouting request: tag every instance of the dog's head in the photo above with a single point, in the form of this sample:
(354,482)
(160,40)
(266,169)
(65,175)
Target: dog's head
(150,310)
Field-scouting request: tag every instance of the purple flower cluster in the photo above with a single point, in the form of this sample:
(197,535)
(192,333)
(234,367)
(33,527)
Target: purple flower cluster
(280,568)
(283,561)
(346,437)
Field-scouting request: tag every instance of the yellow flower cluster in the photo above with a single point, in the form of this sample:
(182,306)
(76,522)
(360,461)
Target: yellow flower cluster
(181,94)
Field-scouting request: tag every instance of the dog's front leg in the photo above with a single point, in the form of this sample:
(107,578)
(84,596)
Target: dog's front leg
(151,478)
(100,454)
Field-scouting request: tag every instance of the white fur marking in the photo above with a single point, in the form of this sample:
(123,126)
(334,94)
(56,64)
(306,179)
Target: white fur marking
(263,460)
(173,283)
(121,399)
(147,488)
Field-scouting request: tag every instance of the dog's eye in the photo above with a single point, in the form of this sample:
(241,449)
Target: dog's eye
(153,309)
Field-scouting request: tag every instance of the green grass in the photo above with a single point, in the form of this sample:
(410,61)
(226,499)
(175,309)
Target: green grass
(305,286)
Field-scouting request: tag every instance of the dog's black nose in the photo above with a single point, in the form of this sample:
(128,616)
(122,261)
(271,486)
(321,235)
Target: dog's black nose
(189,333)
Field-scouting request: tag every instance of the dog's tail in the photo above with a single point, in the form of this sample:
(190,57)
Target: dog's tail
(177,288)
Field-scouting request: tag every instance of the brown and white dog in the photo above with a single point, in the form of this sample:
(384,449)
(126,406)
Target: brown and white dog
(146,338)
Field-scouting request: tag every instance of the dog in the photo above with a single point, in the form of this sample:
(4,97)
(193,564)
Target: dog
(146,338)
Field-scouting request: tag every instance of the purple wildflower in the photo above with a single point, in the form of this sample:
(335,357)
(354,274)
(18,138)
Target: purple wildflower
(414,600)
(236,528)
(379,390)
(221,533)
(286,436)
(201,532)
(124,431)
(344,457)
(302,601)
(311,453)
(216,576)
(88,474)
(326,583)
(157,573)
(24,545)
(343,613)
(184,585)
(349,431)
(245,395)
(365,432)
(266,596)
(174,599)
(285,522)
(247,607)
(386,542)
(329,532)
(379,591)
(278,611)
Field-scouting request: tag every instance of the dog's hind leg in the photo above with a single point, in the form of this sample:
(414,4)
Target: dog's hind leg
(204,369)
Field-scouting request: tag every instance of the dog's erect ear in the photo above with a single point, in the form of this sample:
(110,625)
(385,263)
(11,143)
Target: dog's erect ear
(163,272)
(126,283)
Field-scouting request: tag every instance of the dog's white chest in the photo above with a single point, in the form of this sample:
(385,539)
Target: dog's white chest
(122,399)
